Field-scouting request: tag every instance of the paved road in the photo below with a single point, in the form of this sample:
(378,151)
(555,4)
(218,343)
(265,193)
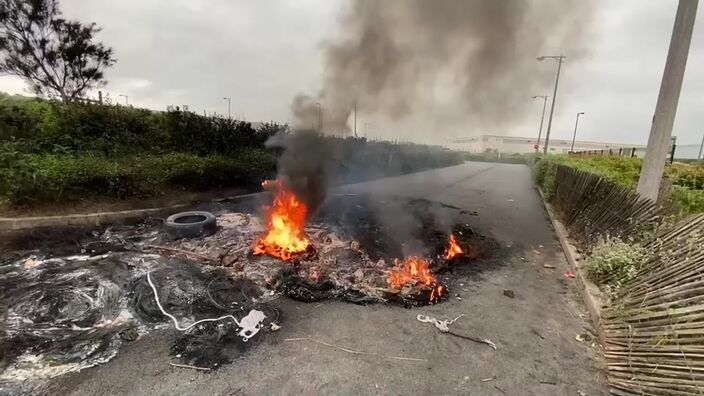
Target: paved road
(535,332)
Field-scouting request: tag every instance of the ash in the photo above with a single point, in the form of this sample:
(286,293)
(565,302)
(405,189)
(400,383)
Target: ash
(70,299)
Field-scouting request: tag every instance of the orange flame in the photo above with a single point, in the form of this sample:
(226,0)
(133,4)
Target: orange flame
(415,270)
(453,249)
(286,218)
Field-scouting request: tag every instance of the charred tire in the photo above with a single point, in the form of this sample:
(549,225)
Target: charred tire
(191,224)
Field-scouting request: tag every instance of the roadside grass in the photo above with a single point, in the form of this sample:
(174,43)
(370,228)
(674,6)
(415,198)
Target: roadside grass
(687,190)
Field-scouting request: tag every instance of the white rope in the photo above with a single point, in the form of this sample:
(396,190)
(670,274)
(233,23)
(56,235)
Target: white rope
(178,327)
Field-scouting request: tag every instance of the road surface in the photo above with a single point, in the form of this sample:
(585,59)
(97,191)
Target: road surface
(535,331)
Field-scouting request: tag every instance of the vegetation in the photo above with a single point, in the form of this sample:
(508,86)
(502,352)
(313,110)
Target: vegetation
(687,192)
(491,156)
(55,56)
(55,152)
(613,262)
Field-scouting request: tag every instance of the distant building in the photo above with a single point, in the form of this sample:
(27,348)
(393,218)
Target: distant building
(521,145)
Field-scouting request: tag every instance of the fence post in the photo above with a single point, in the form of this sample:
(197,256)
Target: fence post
(672,153)
(602,151)
(633,152)
(100,97)
(620,151)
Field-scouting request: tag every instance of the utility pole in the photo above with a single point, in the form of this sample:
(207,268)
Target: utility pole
(320,118)
(575,130)
(701,146)
(666,108)
(355,119)
(229,101)
(561,58)
(542,117)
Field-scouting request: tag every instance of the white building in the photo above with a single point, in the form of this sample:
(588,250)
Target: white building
(515,144)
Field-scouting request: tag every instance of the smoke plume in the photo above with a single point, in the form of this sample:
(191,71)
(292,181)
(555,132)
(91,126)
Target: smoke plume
(462,64)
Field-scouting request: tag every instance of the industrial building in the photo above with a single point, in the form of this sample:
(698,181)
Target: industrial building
(517,144)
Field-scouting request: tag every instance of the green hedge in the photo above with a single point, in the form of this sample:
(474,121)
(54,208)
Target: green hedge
(687,180)
(40,178)
(39,126)
(53,152)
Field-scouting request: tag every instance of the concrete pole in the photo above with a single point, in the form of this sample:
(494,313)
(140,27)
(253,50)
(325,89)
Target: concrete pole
(701,146)
(559,59)
(355,119)
(575,131)
(542,117)
(666,108)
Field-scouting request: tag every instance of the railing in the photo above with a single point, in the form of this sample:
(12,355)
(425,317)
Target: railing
(632,152)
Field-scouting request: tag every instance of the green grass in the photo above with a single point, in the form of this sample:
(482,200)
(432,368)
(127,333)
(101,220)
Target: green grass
(687,179)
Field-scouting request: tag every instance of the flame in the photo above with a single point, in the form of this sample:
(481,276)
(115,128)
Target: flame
(415,270)
(286,218)
(453,249)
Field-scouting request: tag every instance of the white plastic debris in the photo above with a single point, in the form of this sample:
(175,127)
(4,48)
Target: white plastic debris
(251,324)
(442,325)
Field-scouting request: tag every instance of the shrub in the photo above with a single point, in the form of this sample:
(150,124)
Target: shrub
(38,178)
(614,262)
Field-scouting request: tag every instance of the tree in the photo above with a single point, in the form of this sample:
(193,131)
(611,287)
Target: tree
(55,56)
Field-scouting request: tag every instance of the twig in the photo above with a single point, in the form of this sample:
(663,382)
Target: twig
(355,351)
(499,389)
(190,367)
(475,339)
(185,252)
(534,331)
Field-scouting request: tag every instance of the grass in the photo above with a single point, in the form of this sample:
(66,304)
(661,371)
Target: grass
(687,180)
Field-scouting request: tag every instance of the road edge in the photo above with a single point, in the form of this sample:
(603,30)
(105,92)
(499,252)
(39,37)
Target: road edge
(99,218)
(591,295)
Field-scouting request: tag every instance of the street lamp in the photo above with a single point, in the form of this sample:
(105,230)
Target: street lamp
(127,103)
(320,117)
(542,117)
(575,130)
(559,58)
(229,102)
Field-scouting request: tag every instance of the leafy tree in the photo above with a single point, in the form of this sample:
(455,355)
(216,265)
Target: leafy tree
(55,56)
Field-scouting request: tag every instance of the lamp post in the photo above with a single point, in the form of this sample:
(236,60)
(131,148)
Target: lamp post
(320,117)
(127,103)
(229,102)
(559,58)
(575,130)
(542,117)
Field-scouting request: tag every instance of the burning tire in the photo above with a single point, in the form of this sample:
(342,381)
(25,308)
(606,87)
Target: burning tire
(190,224)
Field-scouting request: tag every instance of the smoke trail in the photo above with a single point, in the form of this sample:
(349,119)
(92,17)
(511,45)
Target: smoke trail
(461,63)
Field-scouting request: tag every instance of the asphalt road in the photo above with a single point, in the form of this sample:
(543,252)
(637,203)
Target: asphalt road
(535,331)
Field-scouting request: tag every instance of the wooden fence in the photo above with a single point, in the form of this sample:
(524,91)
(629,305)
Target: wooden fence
(591,207)
(654,327)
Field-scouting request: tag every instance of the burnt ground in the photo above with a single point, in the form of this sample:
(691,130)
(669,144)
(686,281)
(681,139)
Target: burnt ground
(535,331)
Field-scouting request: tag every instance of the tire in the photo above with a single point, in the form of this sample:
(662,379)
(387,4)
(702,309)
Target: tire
(191,224)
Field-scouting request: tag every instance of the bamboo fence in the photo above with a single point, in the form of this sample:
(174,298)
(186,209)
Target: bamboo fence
(654,327)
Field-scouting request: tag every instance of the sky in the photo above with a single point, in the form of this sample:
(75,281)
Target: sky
(262,53)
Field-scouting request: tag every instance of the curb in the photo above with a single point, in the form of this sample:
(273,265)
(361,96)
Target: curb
(97,219)
(591,295)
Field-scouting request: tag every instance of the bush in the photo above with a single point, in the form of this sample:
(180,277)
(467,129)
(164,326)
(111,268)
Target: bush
(614,262)
(544,170)
(40,178)
(687,180)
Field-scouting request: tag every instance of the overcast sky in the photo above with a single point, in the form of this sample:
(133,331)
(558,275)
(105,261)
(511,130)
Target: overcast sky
(262,53)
